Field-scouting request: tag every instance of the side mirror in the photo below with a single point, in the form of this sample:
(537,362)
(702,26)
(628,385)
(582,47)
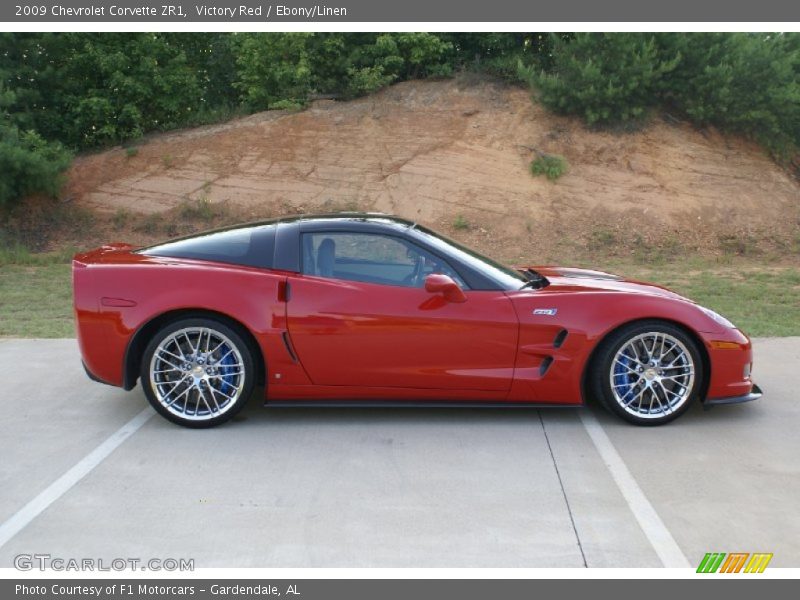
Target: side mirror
(438,283)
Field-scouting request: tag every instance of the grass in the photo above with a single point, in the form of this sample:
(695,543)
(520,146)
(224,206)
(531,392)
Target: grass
(120,218)
(742,244)
(201,209)
(19,255)
(33,225)
(763,300)
(551,166)
(460,223)
(602,238)
(148,224)
(290,105)
(36,300)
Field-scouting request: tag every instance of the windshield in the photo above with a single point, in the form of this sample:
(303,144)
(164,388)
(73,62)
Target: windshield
(507,277)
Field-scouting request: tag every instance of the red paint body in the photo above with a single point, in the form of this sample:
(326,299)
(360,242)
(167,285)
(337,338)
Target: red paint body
(352,340)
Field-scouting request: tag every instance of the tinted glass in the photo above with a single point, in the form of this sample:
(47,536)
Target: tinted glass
(370,258)
(248,246)
(506,276)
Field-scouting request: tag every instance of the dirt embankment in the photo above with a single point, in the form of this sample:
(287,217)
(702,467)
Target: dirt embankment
(455,156)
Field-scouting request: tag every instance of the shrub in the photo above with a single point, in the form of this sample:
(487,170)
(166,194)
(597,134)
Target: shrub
(423,54)
(149,224)
(354,64)
(507,56)
(550,165)
(289,105)
(273,67)
(90,89)
(740,82)
(745,83)
(201,209)
(87,89)
(602,238)
(120,218)
(604,77)
(366,80)
(29,165)
(460,223)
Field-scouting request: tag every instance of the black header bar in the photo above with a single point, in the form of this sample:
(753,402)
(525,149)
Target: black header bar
(359,11)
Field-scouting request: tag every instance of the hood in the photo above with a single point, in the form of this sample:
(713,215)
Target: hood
(578,280)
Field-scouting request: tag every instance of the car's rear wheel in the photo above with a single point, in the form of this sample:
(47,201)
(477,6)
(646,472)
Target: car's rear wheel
(648,372)
(197,372)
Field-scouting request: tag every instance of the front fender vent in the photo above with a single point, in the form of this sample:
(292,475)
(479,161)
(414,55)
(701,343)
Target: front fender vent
(559,339)
(548,360)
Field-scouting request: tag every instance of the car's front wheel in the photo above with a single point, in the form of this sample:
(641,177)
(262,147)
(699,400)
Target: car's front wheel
(197,372)
(648,372)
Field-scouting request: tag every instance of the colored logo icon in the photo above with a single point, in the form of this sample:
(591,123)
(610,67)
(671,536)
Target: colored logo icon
(735,562)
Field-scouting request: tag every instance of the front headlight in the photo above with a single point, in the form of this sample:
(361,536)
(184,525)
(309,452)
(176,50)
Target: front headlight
(717,317)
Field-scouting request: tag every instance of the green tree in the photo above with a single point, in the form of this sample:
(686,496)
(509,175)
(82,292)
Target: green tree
(212,59)
(353,64)
(741,82)
(29,164)
(273,67)
(88,89)
(502,54)
(603,77)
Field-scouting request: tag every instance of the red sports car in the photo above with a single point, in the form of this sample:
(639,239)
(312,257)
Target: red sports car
(356,309)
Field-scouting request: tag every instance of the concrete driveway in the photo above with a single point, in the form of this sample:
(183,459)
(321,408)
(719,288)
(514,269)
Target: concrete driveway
(86,473)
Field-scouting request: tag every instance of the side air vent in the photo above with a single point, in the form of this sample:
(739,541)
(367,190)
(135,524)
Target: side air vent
(545,365)
(559,339)
(288,344)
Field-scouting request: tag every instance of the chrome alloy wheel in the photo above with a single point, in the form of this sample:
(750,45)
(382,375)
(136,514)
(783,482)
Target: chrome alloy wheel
(652,375)
(197,373)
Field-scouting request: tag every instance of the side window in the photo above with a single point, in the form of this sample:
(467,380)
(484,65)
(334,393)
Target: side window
(251,246)
(371,258)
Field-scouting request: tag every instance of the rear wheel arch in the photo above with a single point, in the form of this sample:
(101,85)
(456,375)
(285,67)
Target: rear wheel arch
(701,347)
(145,332)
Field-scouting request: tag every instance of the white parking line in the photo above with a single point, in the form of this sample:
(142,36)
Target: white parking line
(19,520)
(653,527)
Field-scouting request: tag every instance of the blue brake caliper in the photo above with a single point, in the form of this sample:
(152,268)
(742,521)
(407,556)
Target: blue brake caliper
(226,369)
(622,377)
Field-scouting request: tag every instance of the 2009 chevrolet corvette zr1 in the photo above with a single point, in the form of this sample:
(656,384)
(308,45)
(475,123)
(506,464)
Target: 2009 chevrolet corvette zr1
(364,308)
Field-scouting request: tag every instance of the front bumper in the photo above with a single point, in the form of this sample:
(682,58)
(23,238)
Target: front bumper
(754,394)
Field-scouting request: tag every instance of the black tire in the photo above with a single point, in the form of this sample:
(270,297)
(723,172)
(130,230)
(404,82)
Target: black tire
(600,374)
(208,386)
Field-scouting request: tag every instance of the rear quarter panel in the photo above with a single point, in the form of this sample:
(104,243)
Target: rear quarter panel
(117,295)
